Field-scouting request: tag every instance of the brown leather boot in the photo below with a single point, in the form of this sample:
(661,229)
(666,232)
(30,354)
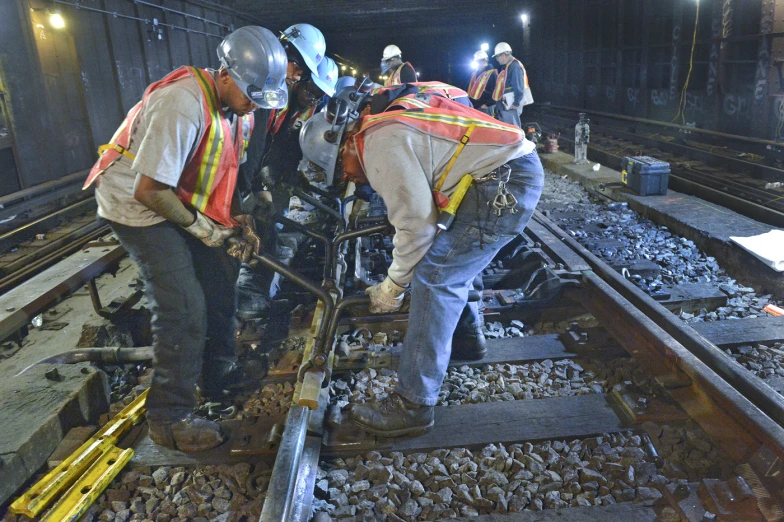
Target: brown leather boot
(395,416)
(189,434)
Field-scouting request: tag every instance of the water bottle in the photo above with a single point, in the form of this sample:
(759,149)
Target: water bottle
(582,134)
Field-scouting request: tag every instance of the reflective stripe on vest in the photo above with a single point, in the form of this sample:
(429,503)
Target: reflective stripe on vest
(444,89)
(394,79)
(500,84)
(476,87)
(209,178)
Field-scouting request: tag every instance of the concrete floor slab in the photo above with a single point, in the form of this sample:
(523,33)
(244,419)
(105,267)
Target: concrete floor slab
(37,411)
(708,225)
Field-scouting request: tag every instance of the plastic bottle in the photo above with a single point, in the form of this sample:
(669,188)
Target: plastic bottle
(582,135)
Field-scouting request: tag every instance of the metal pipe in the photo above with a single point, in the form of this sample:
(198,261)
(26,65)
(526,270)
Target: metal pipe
(181,13)
(70,179)
(280,501)
(752,387)
(40,220)
(321,206)
(109,355)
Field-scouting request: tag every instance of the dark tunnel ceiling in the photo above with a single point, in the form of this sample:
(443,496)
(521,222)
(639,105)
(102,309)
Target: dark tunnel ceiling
(427,32)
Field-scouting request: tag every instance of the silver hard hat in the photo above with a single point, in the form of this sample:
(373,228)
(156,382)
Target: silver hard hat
(320,142)
(257,62)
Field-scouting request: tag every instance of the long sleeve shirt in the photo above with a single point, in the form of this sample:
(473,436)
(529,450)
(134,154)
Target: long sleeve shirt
(514,79)
(403,165)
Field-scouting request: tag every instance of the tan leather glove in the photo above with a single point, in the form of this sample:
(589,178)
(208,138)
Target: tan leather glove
(209,232)
(386,297)
(247,243)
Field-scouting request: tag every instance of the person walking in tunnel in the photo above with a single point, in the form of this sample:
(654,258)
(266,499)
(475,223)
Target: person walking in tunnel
(421,141)
(166,184)
(511,89)
(399,72)
(482,84)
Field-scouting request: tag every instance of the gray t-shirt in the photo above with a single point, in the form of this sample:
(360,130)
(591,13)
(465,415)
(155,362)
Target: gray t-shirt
(169,125)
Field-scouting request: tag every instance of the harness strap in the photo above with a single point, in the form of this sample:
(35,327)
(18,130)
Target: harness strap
(119,148)
(463,141)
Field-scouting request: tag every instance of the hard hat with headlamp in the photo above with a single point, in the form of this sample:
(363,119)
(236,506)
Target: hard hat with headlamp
(309,42)
(256,61)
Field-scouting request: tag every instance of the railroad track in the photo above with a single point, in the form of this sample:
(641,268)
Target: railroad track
(601,416)
(736,172)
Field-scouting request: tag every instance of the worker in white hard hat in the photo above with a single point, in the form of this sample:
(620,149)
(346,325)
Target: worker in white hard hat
(511,89)
(482,84)
(305,47)
(393,66)
(165,183)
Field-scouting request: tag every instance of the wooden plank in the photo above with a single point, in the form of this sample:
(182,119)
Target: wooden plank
(692,297)
(476,425)
(20,305)
(613,513)
(742,331)
(514,350)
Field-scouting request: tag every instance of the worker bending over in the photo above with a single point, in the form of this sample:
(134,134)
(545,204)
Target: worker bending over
(166,184)
(392,64)
(420,143)
(511,89)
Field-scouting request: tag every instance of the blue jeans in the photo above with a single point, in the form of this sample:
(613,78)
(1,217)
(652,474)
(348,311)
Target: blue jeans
(443,278)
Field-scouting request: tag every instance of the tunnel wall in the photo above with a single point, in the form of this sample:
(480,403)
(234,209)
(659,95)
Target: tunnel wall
(633,57)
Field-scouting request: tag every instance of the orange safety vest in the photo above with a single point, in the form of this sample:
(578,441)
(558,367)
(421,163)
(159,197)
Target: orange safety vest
(394,78)
(297,120)
(440,88)
(500,84)
(443,118)
(477,84)
(209,178)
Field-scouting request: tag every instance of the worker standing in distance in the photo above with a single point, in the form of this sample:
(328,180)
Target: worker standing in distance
(482,84)
(305,47)
(166,184)
(393,65)
(423,142)
(511,89)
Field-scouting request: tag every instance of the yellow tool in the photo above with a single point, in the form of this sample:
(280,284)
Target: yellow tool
(447,215)
(33,502)
(89,487)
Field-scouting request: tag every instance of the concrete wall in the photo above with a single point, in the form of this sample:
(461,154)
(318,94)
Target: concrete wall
(633,57)
(67,90)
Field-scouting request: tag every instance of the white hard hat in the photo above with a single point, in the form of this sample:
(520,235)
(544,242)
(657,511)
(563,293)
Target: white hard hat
(345,81)
(309,42)
(501,48)
(480,55)
(390,51)
(257,62)
(327,76)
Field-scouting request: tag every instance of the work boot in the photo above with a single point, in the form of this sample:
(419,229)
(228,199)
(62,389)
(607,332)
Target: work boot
(222,376)
(395,416)
(468,343)
(189,434)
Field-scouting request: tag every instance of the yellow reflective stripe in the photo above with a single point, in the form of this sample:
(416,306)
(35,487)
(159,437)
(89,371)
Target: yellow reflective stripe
(213,149)
(442,118)
(412,101)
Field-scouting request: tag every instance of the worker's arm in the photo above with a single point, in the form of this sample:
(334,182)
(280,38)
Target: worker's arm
(161,199)
(515,80)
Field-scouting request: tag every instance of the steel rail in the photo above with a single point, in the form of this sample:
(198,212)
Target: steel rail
(751,402)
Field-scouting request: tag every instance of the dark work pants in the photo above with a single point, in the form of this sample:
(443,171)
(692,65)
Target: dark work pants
(191,288)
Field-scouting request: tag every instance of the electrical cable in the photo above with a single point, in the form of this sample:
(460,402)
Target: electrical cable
(682,101)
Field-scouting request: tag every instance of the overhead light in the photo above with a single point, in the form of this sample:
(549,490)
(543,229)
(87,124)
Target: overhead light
(417,74)
(524,18)
(56,20)
(485,47)
(342,67)
(474,65)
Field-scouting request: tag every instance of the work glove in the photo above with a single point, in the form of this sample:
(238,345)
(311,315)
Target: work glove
(248,243)
(386,297)
(209,232)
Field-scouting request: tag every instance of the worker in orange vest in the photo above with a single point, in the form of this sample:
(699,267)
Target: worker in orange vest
(420,143)
(511,89)
(392,64)
(482,84)
(166,184)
